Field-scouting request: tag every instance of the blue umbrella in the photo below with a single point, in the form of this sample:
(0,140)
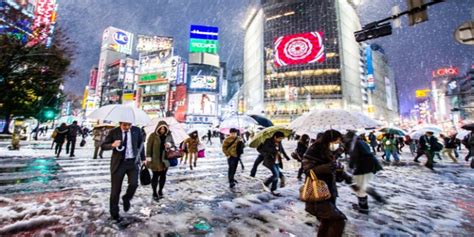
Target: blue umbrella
(262,121)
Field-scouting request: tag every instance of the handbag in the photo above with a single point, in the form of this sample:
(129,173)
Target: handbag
(145,177)
(173,154)
(314,190)
(173,162)
(83,143)
(201,153)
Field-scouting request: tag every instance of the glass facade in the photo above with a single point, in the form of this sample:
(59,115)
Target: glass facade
(295,89)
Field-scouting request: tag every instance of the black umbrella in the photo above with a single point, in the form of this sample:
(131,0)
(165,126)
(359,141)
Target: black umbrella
(262,121)
(468,126)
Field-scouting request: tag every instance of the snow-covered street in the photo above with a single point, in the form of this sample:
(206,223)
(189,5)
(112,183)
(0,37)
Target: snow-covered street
(41,194)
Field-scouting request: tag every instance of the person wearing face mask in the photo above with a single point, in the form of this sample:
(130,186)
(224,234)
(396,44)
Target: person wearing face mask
(273,152)
(321,159)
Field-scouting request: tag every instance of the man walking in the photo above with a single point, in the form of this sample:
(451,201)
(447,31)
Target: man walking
(73,129)
(373,142)
(232,149)
(126,142)
(209,137)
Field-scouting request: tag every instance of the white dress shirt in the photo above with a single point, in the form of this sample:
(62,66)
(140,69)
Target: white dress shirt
(129,151)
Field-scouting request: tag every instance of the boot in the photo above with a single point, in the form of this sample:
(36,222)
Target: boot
(375,195)
(282,182)
(363,205)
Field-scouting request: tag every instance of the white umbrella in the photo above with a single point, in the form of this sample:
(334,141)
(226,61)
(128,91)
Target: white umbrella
(462,133)
(338,119)
(238,121)
(427,128)
(177,129)
(121,113)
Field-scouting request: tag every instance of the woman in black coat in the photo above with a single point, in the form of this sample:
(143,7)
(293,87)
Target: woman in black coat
(60,138)
(321,159)
(303,144)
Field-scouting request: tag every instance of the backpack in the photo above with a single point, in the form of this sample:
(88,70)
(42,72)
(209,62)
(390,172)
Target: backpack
(240,148)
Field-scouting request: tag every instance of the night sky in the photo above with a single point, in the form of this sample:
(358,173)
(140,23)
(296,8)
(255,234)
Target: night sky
(413,52)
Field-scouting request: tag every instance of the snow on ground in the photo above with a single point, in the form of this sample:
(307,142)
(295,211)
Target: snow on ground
(420,202)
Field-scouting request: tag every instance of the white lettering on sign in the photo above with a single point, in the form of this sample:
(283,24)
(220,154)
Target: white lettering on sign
(442,72)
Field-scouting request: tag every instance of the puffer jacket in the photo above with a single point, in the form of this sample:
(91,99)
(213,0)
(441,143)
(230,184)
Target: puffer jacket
(229,147)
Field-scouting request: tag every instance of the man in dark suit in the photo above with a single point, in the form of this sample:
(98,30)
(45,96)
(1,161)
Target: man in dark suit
(73,131)
(126,142)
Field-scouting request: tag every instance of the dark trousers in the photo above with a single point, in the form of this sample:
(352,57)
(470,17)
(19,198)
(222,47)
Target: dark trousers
(96,151)
(71,143)
(420,153)
(374,149)
(233,164)
(58,148)
(300,171)
(275,169)
(332,220)
(161,176)
(130,168)
(257,162)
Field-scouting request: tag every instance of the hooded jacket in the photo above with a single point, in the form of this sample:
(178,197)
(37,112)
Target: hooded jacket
(155,148)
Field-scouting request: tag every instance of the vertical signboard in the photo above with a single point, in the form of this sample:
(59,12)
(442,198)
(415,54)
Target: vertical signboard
(181,103)
(43,25)
(388,93)
(117,40)
(370,69)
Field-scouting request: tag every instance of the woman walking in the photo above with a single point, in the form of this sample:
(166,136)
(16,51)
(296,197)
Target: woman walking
(60,138)
(99,134)
(157,147)
(390,147)
(192,144)
(321,159)
(303,145)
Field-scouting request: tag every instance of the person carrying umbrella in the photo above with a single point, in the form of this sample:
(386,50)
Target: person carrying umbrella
(73,131)
(428,146)
(449,146)
(233,149)
(390,147)
(127,143)
(158,145)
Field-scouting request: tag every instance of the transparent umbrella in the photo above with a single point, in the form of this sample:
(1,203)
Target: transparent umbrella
(121,113)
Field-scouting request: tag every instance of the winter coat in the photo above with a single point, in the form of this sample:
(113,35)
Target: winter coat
(192,144)
(322,162)
(230,145)
(271,152)
(301,149)
(118,156)
(389,144)
(362,160)
(373,139)
(73,131)
(155,148)
(426,144)
(99,135)
(450,142)
(61,133)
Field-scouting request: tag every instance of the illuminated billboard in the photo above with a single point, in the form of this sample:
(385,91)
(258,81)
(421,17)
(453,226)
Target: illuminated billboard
(201,82)
(299,49)
(147,44)
(446,72)
(202,104)
(180,103)
(422,93)
(203,39)
(45,18)
(152,78)
(93,78)
(117,40)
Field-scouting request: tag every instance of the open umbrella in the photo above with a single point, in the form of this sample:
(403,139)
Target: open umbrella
(394,130)
(428,128)
(338,119)
(121,113)
(177,129)
(266,133)
(238,122)
(262,121)
(469,127)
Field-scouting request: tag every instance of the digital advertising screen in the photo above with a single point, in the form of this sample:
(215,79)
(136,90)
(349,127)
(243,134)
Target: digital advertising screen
(298,49)
(202,104)
(202,82)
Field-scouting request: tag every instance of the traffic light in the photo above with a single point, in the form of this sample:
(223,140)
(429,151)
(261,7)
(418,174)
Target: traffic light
(47,114)
(372,31)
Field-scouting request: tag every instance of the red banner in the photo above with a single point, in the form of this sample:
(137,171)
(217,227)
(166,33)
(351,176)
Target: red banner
(301,48)
(45,16)
(181,103)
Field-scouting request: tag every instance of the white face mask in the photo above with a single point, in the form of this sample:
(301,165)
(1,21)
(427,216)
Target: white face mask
(333,146)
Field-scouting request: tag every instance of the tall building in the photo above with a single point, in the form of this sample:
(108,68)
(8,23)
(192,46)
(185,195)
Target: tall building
(460,96)
(16,18)
(379,86)
(307,58)
(120,82)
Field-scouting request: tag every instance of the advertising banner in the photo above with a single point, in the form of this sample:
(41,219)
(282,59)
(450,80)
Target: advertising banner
(153,63)
(388,93)
(204,32)
(148,44)
(93,78)
(152,78)
(446,72)
(45,18)
(422,93)
(201,82)
(370,69)
(180,103)
(203,46)
(202,104)
(299,49)
(117,40)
